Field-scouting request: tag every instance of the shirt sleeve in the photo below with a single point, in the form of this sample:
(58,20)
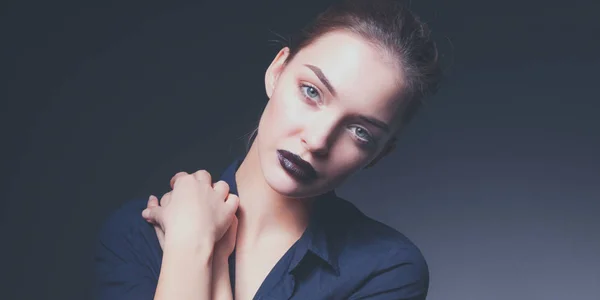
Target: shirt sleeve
(405,276)
(128,256)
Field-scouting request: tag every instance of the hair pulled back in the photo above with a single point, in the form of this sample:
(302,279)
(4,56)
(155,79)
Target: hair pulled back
(392,27)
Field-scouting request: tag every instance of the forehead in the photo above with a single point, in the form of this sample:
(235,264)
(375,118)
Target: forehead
(366,79)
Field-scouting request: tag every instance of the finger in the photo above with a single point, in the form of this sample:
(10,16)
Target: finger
(184,177)
(222,188)
(174,178)
(232,229)
(234,225)
(160,234)
(152,201)
(232,203)
(203,175)
(166,198)
(153,214)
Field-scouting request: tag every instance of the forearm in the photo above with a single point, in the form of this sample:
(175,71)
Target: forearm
(221,282)
(185,272)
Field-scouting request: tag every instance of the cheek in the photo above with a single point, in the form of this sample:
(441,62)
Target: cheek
(348,160)
(285,112)
(345,159)
(339,171)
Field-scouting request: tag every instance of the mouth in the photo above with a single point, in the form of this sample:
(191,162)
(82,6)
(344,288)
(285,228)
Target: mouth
(296,167)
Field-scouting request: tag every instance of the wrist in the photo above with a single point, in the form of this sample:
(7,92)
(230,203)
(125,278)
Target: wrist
(200,248)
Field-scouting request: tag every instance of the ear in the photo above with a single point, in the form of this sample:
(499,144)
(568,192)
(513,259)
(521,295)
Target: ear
(389,147)
(275,70)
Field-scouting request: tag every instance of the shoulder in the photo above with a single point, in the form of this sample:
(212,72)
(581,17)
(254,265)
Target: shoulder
(127,256)
(382,246)
(124,220)
(126,234)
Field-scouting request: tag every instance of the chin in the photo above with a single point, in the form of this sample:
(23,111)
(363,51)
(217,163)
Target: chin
(282,183)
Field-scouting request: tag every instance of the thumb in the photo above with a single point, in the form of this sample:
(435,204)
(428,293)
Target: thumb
(152,201)
(234,225)
(153,214)
(232,203)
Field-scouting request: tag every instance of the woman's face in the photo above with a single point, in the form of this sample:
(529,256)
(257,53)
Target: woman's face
(335,105)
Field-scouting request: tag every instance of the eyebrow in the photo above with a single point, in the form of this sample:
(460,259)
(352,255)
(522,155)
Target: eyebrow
(373,121)
(323,78)
(377,123)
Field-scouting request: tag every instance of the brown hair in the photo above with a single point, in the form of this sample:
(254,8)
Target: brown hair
(392,27)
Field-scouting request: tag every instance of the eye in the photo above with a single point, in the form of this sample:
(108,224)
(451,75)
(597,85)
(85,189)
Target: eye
(361,134)
(310,92)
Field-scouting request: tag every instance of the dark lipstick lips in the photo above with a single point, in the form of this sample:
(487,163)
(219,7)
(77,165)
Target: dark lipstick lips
(296,166)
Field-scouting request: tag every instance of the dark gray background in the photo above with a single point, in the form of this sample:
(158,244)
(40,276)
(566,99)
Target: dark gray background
(497,180)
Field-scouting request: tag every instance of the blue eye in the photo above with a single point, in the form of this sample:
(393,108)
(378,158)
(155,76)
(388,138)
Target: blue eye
(361,134)
(310,92)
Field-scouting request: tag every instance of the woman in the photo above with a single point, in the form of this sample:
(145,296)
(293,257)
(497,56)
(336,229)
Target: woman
(272,227)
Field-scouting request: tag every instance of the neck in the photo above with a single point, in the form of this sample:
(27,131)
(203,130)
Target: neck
(265,215)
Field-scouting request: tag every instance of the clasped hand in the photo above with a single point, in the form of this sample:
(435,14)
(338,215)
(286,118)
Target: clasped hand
(196,213)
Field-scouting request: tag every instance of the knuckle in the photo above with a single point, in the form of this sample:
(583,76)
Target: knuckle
(232,198)
(178,175)
(202,175)
(165,198)
(222,183)
(183,178)
(221,186)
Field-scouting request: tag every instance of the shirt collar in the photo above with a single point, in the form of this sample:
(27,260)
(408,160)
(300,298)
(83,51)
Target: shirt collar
(316,238)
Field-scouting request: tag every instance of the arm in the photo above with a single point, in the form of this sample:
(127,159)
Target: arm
(221,282)
(190,219)
(186,272)
(220,285)
(222,251)
(127,256)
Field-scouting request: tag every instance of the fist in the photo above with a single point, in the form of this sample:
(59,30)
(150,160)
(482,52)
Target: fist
(225,245)
(194,211)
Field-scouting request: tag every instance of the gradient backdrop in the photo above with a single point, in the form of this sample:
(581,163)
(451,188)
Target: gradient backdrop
(497,180)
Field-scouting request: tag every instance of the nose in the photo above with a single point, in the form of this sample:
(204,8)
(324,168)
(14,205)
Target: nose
(318,135)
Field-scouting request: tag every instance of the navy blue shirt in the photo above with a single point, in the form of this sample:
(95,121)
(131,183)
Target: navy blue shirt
(343,254)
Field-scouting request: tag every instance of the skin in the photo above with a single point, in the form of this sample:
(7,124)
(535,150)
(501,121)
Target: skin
(191,229)
(322,121)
